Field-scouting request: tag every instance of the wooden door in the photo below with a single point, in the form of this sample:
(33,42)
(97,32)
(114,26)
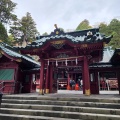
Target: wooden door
(26,84)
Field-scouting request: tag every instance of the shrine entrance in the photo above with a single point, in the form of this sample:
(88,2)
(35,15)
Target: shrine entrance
(65,56)
(64,75)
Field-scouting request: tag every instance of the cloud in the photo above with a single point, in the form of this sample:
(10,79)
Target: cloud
(67,13)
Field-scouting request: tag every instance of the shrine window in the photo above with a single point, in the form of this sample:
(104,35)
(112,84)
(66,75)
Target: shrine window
(6,74)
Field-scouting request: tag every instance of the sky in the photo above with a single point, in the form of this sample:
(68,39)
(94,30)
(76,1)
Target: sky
(67,14)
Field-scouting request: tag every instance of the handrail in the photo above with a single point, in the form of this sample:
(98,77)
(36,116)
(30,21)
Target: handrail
(1,82)
(10,90)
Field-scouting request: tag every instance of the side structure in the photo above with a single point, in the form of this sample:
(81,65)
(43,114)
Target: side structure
(14,67)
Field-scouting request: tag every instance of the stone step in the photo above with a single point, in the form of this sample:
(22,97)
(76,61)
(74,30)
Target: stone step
(29,117)
(83,99)
(62,108)
(60,114)
(63,103)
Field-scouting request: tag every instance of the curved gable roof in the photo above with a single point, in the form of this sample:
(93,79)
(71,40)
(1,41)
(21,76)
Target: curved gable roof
(5,48)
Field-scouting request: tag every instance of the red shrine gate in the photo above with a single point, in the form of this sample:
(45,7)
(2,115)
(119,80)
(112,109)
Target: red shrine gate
(68,50)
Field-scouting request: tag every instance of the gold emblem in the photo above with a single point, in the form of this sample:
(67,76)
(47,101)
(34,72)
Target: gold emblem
(57,32)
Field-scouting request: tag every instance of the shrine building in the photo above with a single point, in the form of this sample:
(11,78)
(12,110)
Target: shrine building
(63,56)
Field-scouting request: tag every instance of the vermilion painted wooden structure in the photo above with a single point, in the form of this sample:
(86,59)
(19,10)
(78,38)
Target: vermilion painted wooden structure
(14,69)
(67,53)
(62,56)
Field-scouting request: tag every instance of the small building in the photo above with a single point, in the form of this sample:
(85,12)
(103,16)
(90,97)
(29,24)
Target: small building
(15,76)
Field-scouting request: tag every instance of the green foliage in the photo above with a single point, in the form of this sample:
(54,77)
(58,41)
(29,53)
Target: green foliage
(44,34)
(6,9)
(83,25)
(24,29)
(11,40)
(113,28)
(3,33)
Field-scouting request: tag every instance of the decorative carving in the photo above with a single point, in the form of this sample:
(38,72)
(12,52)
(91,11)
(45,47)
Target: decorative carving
(19,60)
(35,50)
(63,55)
(84,45)
(56,26)
(89,33)
(58,44)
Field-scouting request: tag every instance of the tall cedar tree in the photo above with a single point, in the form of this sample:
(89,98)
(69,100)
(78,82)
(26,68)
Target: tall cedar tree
(3,33)
(24,29)
(6,11)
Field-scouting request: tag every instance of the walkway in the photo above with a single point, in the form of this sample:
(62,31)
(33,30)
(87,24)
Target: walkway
(72,94)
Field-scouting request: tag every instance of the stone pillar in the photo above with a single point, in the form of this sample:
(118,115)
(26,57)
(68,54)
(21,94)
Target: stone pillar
(86,76)
(42,77)
(47,80)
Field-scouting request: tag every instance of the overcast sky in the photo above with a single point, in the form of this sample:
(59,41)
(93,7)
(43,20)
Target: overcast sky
(67,14)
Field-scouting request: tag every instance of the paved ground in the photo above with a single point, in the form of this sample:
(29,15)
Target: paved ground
(69,93)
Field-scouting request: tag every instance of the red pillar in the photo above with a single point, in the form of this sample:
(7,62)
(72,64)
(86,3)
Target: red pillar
(47,80)
(86,76)
(68,83)
(51,78)
(42,77)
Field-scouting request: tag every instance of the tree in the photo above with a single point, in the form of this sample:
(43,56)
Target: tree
(3,33)
(6,9)
(83,25)
(103,28)
(113,28)
(44,34)
(11,40)
(24,29)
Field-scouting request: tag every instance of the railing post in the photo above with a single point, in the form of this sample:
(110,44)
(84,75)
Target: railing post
(0,98)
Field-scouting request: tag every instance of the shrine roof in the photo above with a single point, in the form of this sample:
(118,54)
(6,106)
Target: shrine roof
(9,50)
(76,37)
(101,65)
(115,59)
(107,54)
(106,61)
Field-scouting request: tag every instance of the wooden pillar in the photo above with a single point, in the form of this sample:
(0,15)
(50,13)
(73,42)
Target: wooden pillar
(42,77)
(47,80)
(118,78)
(83,78)
(51,78)
(16,81)
(86,76)
(96,82)
(68,83)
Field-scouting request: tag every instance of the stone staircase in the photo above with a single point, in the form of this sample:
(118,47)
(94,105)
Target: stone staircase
(15,107)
